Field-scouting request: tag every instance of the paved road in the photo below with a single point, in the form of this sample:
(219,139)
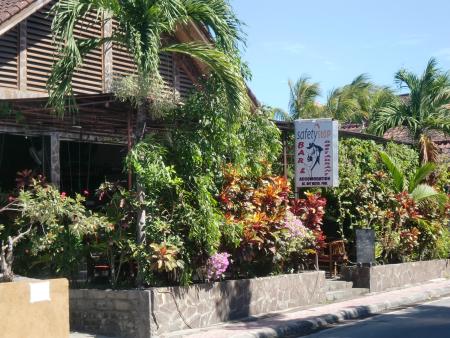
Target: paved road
(429,320)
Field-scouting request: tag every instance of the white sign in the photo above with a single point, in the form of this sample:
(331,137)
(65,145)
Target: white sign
(316,153)
(39,292)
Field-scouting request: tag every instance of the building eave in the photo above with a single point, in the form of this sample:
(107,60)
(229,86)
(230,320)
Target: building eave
(21,15)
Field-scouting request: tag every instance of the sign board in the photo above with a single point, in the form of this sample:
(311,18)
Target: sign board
(316,153)
(39,292)
(365,246)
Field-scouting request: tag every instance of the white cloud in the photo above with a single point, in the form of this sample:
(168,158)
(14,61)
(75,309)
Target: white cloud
(290,47)
(331,66)
(293,48)
(443,53)
(412,40)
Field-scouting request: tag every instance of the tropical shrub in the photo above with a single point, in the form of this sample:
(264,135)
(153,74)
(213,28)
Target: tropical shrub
(181,173)
(383,188)
(279,232)
(49,226)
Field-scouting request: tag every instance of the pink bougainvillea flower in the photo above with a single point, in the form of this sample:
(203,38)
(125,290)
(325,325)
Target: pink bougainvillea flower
(63,195)
(216,265)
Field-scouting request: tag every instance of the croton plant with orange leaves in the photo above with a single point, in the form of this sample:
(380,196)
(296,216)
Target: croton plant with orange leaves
(262,206)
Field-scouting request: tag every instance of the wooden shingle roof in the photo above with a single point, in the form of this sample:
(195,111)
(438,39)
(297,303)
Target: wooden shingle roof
(9,8)
(14,11)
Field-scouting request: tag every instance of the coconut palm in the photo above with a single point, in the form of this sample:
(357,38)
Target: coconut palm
(303,99)
(277,114)
(426,109)
(143,28)
(357,101)
(419,191)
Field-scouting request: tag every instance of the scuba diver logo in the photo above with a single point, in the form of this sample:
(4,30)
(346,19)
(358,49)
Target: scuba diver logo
(314,153)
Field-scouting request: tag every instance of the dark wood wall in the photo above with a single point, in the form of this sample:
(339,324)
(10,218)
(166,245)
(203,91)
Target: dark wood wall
(27,53)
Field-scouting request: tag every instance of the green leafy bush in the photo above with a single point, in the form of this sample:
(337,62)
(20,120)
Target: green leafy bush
(407,228)
(50,227)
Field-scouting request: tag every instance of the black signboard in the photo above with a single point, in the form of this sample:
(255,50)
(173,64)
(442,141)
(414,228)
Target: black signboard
(365,246)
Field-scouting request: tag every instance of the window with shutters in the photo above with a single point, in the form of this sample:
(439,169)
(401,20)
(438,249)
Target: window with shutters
(186,85)
(122,62)
(123,65)
(166,69)
(89,77)
(40,49)
(9,61)
(41,52)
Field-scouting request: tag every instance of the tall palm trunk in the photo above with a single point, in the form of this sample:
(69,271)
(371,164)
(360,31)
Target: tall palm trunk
(139,132)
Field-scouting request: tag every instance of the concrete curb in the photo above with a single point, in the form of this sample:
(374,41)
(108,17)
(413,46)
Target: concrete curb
(307,326)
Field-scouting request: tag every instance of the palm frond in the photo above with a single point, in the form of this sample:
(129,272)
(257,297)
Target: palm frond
(303,96)
(71,50)
(397,175)
(218,17)
(429,152)
(59,83)
(279,114)
(362,81)
(222,65)
(420,175)
(403,78)
(425,192)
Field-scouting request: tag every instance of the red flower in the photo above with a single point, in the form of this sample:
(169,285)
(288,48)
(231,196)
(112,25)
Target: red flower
(63,195)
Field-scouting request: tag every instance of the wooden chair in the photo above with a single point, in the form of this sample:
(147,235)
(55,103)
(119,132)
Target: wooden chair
(333,254)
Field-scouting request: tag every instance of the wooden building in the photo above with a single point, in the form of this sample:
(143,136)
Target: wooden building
(78,151)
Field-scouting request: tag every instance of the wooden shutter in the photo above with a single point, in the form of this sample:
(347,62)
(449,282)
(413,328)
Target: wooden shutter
(9,61)
(41,53)
(166,69)
(122,62)
(40,49)
(88,79)
(186,85)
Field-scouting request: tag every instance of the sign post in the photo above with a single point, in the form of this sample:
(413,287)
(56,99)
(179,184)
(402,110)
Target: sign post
(365,246)
(316,153)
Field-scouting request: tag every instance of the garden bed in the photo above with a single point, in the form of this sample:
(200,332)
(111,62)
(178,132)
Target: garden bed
(155,311)
(384,277)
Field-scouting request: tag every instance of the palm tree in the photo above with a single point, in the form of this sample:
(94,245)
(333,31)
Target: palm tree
(277,114)
(303,99)
(357,101)
(426,109)
(142,26)
(419,192)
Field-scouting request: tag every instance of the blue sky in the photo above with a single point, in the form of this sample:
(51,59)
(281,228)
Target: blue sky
(334,41)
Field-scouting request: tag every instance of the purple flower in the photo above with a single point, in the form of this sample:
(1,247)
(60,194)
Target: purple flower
(216,265)
(295,227)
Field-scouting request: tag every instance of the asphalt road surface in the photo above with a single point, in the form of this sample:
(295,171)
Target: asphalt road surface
(428,320)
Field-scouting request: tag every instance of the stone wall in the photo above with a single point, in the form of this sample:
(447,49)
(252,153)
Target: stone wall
(152,312)
(384,277)
(125,314)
